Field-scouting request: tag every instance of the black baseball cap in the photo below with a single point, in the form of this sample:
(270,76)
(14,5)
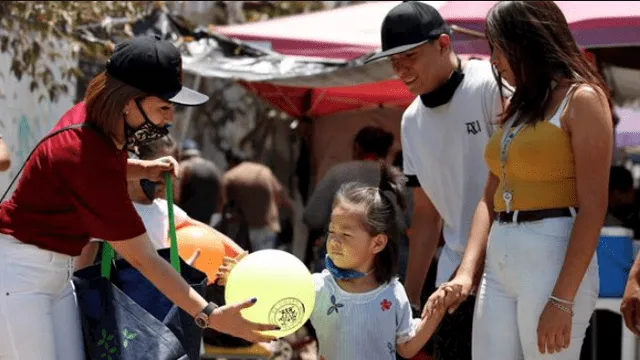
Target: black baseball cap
(153,66)
(409,25)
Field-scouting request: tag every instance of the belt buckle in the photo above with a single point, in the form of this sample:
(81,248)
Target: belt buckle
(502,217)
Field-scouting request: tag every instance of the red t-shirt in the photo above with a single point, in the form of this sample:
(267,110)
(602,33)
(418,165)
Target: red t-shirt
(73,188)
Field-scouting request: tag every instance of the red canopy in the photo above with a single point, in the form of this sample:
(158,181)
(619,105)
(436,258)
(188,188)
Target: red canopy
(318,102)
(299,102)
(342,33)
(593,23)
(352,31)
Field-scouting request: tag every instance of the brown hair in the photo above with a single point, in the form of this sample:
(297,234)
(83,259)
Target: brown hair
(105,100)
(539,47)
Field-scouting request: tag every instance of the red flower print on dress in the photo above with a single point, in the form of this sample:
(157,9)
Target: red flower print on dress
(322,358)
(385,305)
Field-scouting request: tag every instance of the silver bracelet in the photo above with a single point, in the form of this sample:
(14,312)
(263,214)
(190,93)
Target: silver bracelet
(562,307)
(561,301)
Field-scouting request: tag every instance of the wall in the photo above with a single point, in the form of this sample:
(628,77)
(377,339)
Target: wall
(23,119)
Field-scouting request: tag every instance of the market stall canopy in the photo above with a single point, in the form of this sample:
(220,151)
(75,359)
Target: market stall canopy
(594,24)
(342,33)
(301,86)
(351,31)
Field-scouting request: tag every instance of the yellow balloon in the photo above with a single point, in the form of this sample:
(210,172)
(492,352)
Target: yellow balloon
(282,284)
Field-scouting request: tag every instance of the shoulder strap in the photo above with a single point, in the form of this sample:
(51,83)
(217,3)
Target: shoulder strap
(555,119)
(74,126)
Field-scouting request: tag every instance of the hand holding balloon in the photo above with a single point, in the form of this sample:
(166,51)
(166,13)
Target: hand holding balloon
(227,319)
(227,264)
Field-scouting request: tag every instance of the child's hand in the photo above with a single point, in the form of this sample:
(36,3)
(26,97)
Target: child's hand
(228,264)
(441,299)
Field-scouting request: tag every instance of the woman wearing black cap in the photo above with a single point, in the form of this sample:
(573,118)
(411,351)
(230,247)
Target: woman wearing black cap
(74,188)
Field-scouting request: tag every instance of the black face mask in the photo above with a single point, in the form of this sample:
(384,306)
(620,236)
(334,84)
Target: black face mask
(148,188)
(145,133)
(444,93)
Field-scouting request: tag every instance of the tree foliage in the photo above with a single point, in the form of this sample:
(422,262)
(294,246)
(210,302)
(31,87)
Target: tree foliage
(38,34)
(32,32)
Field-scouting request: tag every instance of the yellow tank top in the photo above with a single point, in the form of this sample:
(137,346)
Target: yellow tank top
(540,169)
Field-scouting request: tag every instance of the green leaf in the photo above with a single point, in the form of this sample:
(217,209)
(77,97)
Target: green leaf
(104,333)
(101,342)
(125,332)
(103,355)
(132,336)
(113,350)
(125,343)
(110,337)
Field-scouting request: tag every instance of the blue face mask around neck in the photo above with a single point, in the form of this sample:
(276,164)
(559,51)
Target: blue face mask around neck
(342,274)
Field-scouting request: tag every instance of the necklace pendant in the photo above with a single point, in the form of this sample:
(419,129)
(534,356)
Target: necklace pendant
(507,196)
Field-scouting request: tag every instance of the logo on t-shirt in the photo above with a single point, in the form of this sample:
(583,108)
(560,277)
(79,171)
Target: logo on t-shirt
(473,127)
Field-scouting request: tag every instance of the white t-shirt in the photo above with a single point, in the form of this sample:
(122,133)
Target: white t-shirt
(444,148)
(360,326)
(155,217)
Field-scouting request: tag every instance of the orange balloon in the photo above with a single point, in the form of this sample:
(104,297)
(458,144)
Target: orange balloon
(212,250)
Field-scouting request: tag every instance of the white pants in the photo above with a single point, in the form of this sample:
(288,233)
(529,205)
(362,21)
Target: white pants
(522,264)
(39,316)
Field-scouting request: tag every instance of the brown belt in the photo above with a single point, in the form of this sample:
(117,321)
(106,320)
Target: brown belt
(533,215)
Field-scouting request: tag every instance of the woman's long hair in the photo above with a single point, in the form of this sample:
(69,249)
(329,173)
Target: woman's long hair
(539,47)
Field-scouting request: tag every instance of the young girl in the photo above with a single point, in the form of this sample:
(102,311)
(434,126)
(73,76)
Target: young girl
(361,310)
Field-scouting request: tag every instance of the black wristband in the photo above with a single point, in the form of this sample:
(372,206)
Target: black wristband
(208,310)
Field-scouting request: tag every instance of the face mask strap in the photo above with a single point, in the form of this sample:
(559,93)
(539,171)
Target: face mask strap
(144,114)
